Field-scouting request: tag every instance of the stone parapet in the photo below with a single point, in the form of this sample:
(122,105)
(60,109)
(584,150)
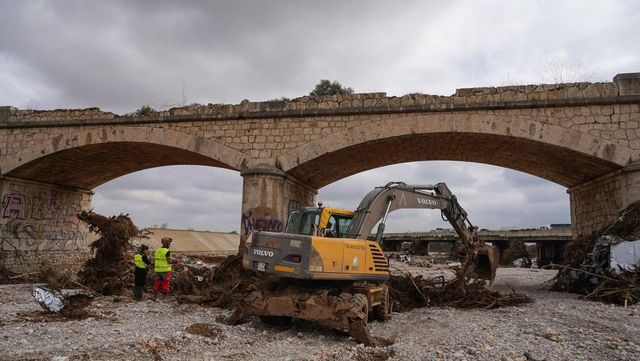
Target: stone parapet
(543,95)
(628,83)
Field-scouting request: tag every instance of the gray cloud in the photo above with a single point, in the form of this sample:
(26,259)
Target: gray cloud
(490,195)
(183,196)
(119,55)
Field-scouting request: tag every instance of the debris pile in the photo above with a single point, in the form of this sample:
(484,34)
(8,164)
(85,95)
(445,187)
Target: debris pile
(56,275)
(409,292)
(110,270)
(189,275)
(604,267)
(420,261)
(223,286)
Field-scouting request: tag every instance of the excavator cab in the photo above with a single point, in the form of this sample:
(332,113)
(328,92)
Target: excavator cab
(319,221)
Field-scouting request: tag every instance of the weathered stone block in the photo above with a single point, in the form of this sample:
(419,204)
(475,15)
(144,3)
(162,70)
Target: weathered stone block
(628,83)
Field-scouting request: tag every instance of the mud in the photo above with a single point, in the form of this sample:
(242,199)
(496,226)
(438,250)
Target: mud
(205,330)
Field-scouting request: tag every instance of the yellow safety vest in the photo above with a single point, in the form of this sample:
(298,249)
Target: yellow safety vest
(160,261)
(137,259)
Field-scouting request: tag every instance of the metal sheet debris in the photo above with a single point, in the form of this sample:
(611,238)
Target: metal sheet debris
(50,300)
(625,256)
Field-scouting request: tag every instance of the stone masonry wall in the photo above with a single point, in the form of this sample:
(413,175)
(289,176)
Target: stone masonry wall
(595,204)
(266,130)
(268,197)
(39,220)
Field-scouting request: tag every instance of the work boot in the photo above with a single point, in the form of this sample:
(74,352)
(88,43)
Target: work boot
(137,293)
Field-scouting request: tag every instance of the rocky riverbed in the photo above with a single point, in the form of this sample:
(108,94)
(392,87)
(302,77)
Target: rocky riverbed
(557,326)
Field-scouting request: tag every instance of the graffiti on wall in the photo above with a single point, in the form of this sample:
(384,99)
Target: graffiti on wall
(39,218)
(261,219)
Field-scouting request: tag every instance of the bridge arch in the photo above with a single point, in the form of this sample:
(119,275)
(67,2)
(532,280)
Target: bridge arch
(564,156)
(88,158)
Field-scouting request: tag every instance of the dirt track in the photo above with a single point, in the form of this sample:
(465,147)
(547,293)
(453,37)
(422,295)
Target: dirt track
(556,327)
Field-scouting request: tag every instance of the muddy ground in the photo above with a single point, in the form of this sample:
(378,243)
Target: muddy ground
(558,326)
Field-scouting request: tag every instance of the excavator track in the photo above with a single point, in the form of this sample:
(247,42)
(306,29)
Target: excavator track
(343,311)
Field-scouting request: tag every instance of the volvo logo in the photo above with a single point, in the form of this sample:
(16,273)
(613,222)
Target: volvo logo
(426,202)
(262,252)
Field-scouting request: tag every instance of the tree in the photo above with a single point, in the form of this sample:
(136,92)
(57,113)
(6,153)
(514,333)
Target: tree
(326,87)
(144,110)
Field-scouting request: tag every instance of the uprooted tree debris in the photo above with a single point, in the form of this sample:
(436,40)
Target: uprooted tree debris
(109,270)
(223,286)
(463,291)
(591,269)
(517,250)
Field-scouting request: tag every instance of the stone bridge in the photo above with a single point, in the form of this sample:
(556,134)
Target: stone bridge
(584,136)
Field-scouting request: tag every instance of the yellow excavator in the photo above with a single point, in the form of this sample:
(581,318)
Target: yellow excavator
(333,271)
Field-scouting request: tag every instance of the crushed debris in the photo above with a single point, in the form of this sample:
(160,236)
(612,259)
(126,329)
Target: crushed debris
(70,303)
(604,266)
(110,270)
(50,300)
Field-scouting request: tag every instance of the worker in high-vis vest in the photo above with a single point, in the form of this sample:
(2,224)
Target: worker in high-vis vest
(141,262)
(162,263)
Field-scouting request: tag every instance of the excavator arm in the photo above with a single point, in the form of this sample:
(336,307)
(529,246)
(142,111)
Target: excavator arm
(378,203)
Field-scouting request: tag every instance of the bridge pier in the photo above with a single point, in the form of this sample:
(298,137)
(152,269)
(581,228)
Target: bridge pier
(550,252)
(596,203)
(39,220)
(268,195)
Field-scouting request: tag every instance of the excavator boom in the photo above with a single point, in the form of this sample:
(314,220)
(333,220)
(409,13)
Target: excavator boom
(381,201)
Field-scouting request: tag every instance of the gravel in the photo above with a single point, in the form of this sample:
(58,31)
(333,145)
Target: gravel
(556,326)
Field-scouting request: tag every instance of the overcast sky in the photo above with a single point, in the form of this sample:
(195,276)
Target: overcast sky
(119,55)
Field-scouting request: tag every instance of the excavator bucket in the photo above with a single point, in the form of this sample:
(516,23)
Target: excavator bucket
(486,262)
